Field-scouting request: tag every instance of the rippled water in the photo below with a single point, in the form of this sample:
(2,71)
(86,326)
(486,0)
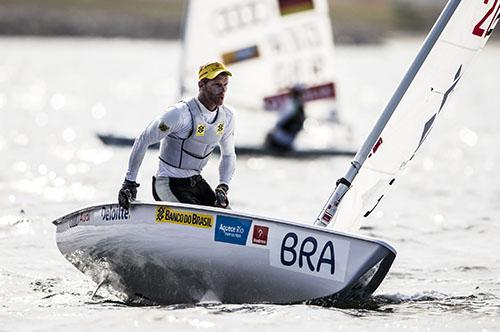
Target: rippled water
(443,217)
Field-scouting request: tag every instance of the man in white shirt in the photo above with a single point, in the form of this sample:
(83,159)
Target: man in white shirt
(188,132)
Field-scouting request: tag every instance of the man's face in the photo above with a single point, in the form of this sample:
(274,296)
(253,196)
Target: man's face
(215,90)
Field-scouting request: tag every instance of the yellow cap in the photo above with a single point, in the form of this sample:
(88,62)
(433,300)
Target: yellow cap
(211,70)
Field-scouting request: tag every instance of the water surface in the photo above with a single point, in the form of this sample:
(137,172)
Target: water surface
(442,217)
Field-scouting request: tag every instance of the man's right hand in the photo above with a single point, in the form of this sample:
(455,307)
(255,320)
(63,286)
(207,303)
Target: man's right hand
(127,193)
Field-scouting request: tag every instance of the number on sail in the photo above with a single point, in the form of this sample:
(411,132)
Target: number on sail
(478,30)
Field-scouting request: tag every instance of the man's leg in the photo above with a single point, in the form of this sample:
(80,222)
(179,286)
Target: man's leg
(205,193)
(162,191)
(185,190)
(193,190)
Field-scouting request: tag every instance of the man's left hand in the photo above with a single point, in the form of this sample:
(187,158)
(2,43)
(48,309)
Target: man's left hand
(221,199)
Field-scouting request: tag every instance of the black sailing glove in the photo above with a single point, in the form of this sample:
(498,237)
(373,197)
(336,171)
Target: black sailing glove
(127,193)
(221,199)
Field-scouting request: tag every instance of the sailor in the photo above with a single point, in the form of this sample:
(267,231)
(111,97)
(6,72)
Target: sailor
(188,131)
(290,122)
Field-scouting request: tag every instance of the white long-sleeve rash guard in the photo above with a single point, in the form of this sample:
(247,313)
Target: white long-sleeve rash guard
(176,121)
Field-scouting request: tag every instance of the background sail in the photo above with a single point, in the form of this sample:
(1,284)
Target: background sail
(462,38)
(267,44)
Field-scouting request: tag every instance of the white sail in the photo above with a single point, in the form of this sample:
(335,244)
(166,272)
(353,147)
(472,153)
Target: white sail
(460,33)
(267,44)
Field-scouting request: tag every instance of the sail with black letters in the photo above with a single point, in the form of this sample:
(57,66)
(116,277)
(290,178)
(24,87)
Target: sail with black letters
(268,45)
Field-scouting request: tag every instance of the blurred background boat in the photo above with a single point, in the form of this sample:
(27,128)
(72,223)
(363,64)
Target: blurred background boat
(269,46)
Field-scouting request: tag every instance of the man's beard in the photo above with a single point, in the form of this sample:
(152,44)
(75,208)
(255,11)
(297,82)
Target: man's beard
(217,99)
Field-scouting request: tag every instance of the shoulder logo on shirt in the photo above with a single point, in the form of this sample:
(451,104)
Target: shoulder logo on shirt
(200,130)
(220,128)
(163,126)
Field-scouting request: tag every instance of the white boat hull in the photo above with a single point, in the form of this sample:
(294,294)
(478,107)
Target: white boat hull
(170,253)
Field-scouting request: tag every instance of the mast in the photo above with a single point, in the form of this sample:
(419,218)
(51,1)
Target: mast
(343,184)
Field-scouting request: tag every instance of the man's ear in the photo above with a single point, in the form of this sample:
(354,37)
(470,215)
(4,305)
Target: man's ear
(201,84)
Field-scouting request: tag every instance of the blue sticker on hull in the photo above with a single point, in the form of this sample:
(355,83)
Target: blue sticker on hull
(232,230)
